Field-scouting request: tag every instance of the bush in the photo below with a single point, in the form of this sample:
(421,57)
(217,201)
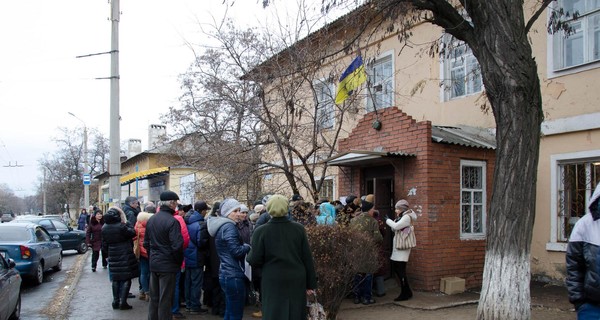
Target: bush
(339,253)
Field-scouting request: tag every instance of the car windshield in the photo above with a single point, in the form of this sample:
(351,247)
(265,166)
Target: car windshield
(14,234)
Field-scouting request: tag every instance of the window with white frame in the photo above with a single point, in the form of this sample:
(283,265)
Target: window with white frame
(577,180)
(327,189)
(380,81)
(583,44)
(472,198)
(325,110)
(462,74)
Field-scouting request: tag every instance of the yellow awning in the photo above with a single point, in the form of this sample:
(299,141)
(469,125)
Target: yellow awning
(141,175)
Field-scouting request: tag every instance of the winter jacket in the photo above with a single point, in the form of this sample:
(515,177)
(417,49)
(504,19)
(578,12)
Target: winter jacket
(196,254)
(583,256)
(230,247)
(140,231)
(131,214)
(326,214)
(245,230)
(82,221)
(281,249)
(398,224)
(93,234)
(164,242)
(117,237)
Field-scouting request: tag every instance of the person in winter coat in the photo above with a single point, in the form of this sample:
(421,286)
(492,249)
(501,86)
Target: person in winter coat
(326,214)
(117,235)
(180,277)
(93,238)
(195,257)
(232,251)
(131,209)
(281,249)
(366,224)
(244,226)
(140,231)
(213,294)
(82,222)
(403,219)
(583,262)
(164,243)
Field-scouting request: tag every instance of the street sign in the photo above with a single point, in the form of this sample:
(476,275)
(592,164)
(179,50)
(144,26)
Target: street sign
(87,179)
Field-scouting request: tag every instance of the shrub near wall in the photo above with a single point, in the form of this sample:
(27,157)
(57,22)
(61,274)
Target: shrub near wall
(338,254)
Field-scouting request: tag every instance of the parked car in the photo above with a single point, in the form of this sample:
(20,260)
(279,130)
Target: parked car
(6,217)
(10,289)
(69,238)
(31,247)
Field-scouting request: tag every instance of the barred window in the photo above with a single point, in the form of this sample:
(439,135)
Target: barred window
(473,199)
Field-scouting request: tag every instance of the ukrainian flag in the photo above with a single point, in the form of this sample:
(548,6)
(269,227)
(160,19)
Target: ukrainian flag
(353,77)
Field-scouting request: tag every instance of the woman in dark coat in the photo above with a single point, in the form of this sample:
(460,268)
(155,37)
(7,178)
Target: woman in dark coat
(280,247)
(122,264)
(93,238)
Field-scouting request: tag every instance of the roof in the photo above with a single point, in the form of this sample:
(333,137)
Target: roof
(144,174)
(357,158)
(464,136)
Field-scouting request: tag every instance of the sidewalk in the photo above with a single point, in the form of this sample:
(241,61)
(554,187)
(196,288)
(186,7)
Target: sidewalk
(93,296)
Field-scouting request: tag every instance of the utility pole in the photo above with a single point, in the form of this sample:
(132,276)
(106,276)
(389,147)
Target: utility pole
(86,170)
(114,185)
(44,192)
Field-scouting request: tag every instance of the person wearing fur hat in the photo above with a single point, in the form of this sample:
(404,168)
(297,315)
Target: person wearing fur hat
(117,235)
(281,249)
(404,217)
(231,250)
(365,222)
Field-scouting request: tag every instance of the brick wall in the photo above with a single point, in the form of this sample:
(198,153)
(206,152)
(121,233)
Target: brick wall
(434,177)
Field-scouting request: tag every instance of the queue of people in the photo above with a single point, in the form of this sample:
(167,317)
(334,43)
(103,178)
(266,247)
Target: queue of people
(219,259)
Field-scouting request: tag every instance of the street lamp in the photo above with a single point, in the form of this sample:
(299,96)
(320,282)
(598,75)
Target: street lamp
(86,187)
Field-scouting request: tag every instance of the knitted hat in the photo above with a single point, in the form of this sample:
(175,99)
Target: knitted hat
(402,204)
(277,206)
(366,206)
(228,206)
(201,206)
(243,208)
(253,217)
(296,197)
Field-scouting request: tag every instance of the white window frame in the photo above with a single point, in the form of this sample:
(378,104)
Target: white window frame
(472,79)
(331,197)
(483,166)
(556,161)
(384,97)
(584,30)
(325,116)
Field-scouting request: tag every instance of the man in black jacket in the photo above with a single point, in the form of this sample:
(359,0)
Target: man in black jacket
(131,209)
(164,244)
(583,262)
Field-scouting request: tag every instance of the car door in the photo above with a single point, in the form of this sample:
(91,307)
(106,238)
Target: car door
(52,249)
(68,238)
(5,290)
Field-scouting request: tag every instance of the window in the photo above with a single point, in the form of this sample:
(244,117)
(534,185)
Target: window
(461,70)
(576,183)
(583,45)
(327,189)
(472,199)
(325,112)
(47,224)
(380,83)
(41,235)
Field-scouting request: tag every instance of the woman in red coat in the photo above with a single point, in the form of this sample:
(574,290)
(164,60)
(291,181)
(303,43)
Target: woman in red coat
(93,238)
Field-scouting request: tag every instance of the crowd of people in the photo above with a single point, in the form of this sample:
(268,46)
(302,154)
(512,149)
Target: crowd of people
(222,258)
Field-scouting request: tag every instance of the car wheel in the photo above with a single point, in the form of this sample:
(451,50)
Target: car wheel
(58,266)
(17,312)
(82,247)
(38,278)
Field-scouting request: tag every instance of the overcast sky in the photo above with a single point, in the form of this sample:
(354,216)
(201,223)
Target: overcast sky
(41,80)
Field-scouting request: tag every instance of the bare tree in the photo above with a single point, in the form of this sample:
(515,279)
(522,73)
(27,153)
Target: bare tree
(497,33)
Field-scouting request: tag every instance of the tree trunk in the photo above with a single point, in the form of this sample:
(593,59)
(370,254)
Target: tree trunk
(513,89)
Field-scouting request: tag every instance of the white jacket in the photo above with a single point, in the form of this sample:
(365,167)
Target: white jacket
(405,221)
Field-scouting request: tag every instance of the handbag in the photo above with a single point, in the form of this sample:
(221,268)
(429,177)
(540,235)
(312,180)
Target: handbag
(315,310)
(405,238)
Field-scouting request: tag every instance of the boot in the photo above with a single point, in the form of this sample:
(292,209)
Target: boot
(124,293)
(115,291)
(406,292)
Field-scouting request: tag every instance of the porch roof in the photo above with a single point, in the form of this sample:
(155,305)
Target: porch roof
(358,158)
